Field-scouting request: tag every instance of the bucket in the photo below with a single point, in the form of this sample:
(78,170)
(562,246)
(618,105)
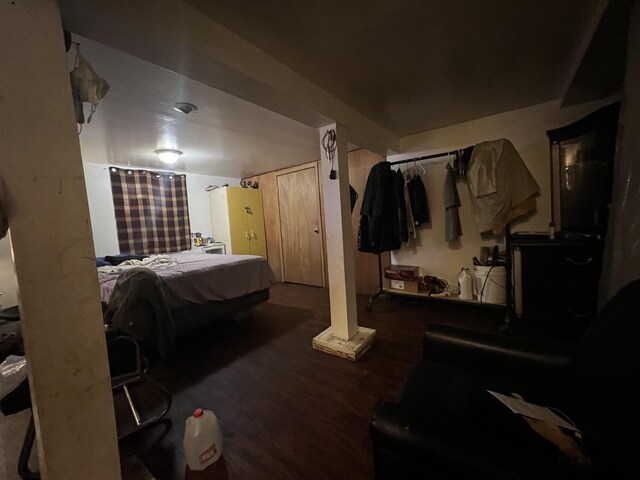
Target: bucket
(491,284)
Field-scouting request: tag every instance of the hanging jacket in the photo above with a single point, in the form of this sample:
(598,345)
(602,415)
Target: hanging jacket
(411,225)
(452,227)
(500,185)
(403,232)
(418,197)
(379,230)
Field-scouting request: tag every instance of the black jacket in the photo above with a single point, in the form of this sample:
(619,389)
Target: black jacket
(379,230)
(403,232)
(418,197)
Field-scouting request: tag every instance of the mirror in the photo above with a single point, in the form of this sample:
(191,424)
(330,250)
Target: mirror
(582,172)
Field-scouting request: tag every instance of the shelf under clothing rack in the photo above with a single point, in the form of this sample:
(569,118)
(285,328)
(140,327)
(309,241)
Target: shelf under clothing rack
(508,306)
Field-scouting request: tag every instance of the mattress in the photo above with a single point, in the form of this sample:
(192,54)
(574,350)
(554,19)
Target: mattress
(201,278)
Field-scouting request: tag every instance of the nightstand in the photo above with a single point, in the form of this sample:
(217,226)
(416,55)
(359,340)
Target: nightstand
(215,247)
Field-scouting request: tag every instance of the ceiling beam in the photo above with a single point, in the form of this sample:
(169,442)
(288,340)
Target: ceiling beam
(175,36)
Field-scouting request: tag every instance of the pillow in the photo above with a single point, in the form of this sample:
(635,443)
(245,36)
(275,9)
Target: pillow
(101,262)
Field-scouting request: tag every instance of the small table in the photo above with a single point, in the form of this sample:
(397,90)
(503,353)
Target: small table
(215,247)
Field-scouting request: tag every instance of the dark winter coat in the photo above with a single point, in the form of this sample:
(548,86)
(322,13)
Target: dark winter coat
(379,230)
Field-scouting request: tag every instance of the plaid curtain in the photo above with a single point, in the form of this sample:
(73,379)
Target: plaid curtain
(152,211)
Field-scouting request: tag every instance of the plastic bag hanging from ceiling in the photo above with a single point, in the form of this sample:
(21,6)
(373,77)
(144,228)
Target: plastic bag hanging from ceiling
(87,86)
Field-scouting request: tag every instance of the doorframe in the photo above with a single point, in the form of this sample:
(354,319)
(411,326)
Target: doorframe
(298,168)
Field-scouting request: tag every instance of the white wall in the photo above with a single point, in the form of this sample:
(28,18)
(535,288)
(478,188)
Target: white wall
(103,222)
(8,283)
(526,128)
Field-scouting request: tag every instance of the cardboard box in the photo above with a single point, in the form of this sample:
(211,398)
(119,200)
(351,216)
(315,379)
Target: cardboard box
(402,272)
(404,286)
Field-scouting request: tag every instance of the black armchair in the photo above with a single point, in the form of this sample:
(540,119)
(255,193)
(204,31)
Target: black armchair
(445,425)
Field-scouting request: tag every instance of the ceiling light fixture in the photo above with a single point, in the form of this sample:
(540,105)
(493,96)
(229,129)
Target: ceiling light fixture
(184,107)
(168,155)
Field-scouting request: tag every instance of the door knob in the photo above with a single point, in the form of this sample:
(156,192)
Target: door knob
(316,230)
(253,235)
(247,236)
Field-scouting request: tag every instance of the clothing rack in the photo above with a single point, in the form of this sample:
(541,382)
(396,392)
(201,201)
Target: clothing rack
(508,306)
(425,157)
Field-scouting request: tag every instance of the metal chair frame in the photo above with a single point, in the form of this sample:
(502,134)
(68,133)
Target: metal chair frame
(118,382)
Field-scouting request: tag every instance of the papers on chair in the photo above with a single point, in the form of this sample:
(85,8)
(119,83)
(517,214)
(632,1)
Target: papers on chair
(533,411)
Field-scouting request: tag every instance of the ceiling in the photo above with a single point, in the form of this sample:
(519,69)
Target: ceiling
(406,66)
(416,65)
(226,136)
(602,68)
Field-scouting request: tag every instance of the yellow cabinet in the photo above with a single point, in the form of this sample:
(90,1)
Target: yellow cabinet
(237,220)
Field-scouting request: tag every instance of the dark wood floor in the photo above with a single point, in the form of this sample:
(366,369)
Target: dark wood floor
(288,411)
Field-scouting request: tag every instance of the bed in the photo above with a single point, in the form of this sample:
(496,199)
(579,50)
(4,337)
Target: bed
(162,296)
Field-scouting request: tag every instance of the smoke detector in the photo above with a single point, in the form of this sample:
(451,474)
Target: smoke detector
(184,107)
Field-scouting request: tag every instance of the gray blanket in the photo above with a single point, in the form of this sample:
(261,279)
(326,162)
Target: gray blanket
(201,278)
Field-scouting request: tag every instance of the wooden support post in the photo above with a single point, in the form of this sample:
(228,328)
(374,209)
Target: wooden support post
(53,252)
(344,337)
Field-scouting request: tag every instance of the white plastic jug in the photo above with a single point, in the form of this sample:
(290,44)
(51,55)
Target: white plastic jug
(202,439)
(465,280)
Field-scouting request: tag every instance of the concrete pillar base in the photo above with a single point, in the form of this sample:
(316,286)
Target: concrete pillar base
(352,349)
